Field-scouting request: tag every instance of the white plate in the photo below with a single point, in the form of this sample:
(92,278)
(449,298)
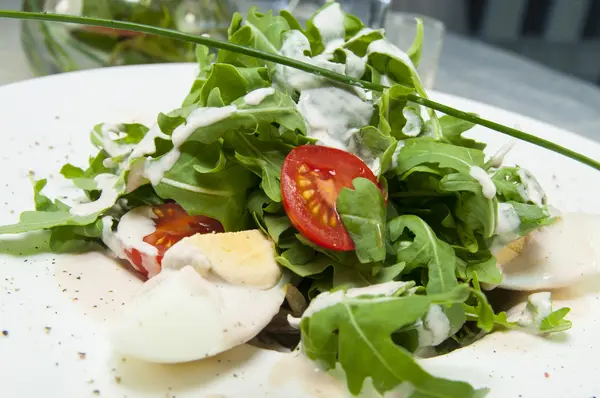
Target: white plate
(45,122)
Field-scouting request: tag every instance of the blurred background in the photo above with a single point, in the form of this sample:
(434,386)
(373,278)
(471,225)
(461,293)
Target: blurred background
(562,34)
(540,58)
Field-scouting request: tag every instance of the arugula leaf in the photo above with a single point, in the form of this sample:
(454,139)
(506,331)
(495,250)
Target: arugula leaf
(356,331)
(267,31)
(391,110)
(232,82)
(416,48)
(276,225)
(220,195)
(424,250)
(452,130)
(277,108)
(477,212)
(76,239)
(556,322)
(532,217)
(457,182)
(420,151)
(363,214)
(487,271)
(264,159)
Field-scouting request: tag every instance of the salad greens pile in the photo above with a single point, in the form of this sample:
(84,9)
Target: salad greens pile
(429,245)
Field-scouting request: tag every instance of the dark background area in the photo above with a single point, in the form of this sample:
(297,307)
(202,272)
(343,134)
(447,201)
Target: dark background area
(561,34)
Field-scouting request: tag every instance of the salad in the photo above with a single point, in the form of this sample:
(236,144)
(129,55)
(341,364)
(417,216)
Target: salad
(278,206)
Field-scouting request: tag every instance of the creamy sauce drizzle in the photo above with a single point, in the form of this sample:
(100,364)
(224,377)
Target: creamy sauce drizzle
(256,97)
(414,123)
(508,224)
(155,169)
(498,158)
(532,190)
(434,328)
(108,134)
(487,185)
(330,23)
(329,299)
(106,183)
(334,117)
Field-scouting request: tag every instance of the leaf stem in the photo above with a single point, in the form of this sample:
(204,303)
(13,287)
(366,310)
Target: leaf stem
(306,67)
(469,117)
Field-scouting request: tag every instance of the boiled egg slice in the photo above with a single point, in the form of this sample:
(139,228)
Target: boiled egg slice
(215,291)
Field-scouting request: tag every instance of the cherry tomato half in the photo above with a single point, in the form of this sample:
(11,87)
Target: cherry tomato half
(311,179)
(173,223)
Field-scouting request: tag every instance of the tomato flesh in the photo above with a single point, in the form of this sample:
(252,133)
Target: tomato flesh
(173,223)
(311,180)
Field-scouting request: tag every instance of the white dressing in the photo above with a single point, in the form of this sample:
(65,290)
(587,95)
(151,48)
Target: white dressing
(329,299)
(330,23)
(130,233)
(532,191)
(108,134)
(154,169)
(107,184)
(508,224)
(414,123)
(334,117)
(536,309)
(257,96)
(434,328)
(556,256)
(487,185)
(147,146)
(199,118)
(498,158)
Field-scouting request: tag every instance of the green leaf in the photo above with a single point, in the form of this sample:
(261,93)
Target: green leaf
(359,43)
(276,226)
(48,214)
(363,214)
(532,217)
(477,213)
(391,106)
(425,151)
(483,310)
(267,31)
(458,182)
(556,322)
(356,331)
(277,108)
(71,172)
(232,82)
(76,239)
(424,249)
(36,220)
(265,159)
(452,130)
(487,271)
(416,49)
(220,195)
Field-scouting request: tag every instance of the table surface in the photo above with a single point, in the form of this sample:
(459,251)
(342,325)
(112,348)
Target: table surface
(467,68)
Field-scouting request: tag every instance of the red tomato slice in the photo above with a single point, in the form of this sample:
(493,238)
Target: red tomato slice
(173,223)
(311,178)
